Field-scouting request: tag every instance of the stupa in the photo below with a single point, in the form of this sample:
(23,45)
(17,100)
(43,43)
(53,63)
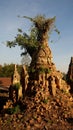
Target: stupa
(43,76)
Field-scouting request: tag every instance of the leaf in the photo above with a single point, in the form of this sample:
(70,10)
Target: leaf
(19,30)
(56,30)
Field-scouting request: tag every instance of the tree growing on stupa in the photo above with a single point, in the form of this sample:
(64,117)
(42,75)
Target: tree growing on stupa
(43,74)
(29,42)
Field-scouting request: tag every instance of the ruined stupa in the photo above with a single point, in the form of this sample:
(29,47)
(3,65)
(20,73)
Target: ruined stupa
(43,74)
(15,90)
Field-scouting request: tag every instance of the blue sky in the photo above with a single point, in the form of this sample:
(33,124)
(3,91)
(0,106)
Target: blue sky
(62,49)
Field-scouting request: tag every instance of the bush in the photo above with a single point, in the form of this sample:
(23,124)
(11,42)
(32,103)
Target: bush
(13,110)
(16,86)
(44,70)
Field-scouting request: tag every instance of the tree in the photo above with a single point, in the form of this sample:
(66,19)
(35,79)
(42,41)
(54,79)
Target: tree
(7,70)
(30,43)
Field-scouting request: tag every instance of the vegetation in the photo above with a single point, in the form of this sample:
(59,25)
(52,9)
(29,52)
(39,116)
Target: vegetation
(14,110)
(30,43)
(44,70)
(16,86)
(7,70)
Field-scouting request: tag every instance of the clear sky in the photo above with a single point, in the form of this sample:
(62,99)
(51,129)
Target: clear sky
(62,49)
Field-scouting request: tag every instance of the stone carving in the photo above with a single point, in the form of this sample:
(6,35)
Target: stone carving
(24,80)
(16,76)
(15,90)
(42,79)
(53,85)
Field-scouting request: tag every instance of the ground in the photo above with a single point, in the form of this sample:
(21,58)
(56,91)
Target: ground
(55,113)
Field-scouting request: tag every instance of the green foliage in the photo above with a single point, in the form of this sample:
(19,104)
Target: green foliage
(39,70)
(44,70)
(31,70)
(30,43)
(45,101)
(26,42)
(7,70)
(41,23)
(14,110)
(16,86)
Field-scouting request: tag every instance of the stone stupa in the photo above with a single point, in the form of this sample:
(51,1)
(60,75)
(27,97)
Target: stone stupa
(43,75)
